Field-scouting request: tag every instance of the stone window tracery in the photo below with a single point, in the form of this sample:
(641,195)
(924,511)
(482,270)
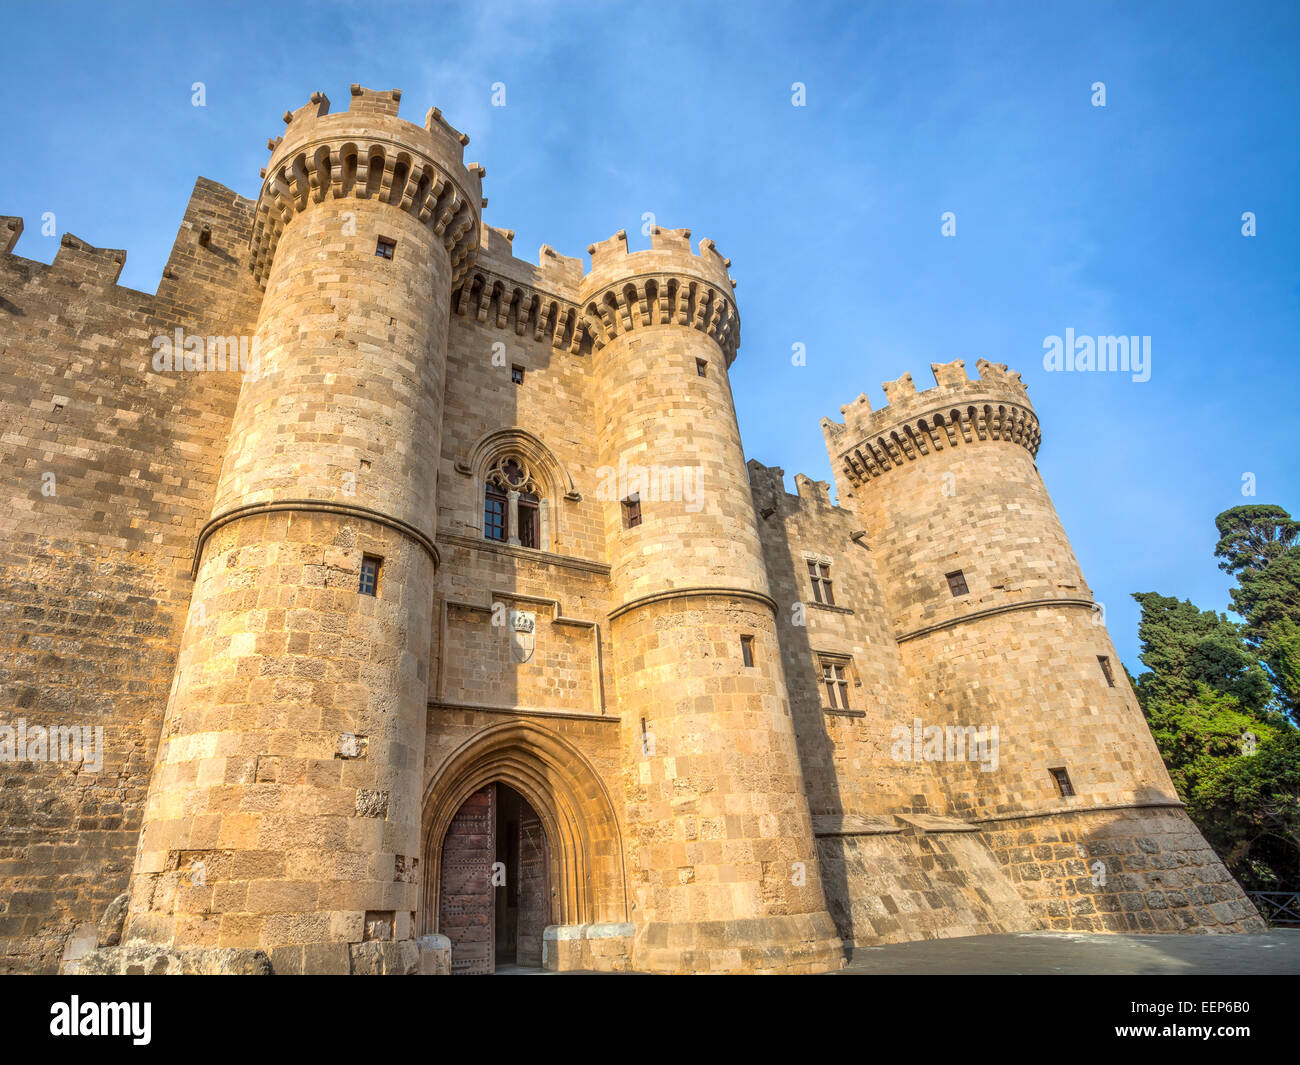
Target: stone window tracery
(513,503)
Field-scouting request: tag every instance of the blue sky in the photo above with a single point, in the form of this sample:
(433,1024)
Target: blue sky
(1117,220)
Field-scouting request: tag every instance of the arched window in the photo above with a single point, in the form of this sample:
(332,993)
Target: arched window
(512,504)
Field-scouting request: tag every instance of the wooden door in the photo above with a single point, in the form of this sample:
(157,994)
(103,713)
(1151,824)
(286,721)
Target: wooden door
(465,898)
(534,886)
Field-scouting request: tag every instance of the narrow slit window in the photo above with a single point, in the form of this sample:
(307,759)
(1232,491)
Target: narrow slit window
(385,247)
(836,682)
(494,514)
(702,367)
(1104,662)
(957,583)
(632,512)
(370,574)
(820,573)
(517,374)
(747,650)
(1062,779)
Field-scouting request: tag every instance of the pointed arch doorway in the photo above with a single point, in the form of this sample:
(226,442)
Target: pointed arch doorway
(578,827)
(495,897)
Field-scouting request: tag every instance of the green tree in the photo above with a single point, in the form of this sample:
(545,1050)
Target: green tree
(1260,546)
(1185,648)
(1239,774)
(1216,694)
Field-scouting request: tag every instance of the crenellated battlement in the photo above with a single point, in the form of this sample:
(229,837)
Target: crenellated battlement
(103,265)
(490,297)
(667,284)
(76,260)
(767,485)
(367,152)
(76,257)
(530,298)
(553,273)
(669,249)
(957,410)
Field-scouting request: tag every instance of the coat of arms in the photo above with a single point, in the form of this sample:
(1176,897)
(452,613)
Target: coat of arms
(522,626)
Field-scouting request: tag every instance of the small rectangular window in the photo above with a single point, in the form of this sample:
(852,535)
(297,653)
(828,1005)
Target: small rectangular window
(820,573)
(632,512)
(1105,668)
(370,574)
(1062,779)
(957,583)
(517,374)
(702,367)
(836,682)
(747,650)
(385,247)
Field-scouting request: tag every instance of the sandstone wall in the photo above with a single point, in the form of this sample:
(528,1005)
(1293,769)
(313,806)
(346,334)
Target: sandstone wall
(1135,870)
(95,578)
(846,759)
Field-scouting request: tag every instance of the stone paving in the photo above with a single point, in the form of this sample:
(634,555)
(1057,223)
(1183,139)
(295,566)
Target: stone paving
(1276,952)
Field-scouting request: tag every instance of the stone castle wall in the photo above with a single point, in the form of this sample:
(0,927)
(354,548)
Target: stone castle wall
(95,570)
(192,586)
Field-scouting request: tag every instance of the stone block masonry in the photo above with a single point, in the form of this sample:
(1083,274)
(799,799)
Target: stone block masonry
(470,526)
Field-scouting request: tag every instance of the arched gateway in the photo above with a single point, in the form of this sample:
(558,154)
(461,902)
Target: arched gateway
(518,834)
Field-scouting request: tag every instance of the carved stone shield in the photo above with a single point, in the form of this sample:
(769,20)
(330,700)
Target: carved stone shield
(523,625)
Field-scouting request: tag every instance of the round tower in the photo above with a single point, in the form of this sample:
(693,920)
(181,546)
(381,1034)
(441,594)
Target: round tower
(723,862)
(284,811)
(996,626)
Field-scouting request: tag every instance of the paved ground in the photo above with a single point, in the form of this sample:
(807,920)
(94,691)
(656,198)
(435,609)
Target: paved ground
(1069,953)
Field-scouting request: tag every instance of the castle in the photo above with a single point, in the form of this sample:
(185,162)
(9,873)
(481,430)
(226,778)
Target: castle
(429,618)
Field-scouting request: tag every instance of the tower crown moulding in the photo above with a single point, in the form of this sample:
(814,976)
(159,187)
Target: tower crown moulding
(667,284)
(367,152)
(957,411)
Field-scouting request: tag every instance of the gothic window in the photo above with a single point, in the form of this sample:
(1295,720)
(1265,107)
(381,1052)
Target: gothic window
(513,504)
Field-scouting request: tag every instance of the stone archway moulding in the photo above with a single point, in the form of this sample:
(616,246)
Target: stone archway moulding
(540,459)
(558,782)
